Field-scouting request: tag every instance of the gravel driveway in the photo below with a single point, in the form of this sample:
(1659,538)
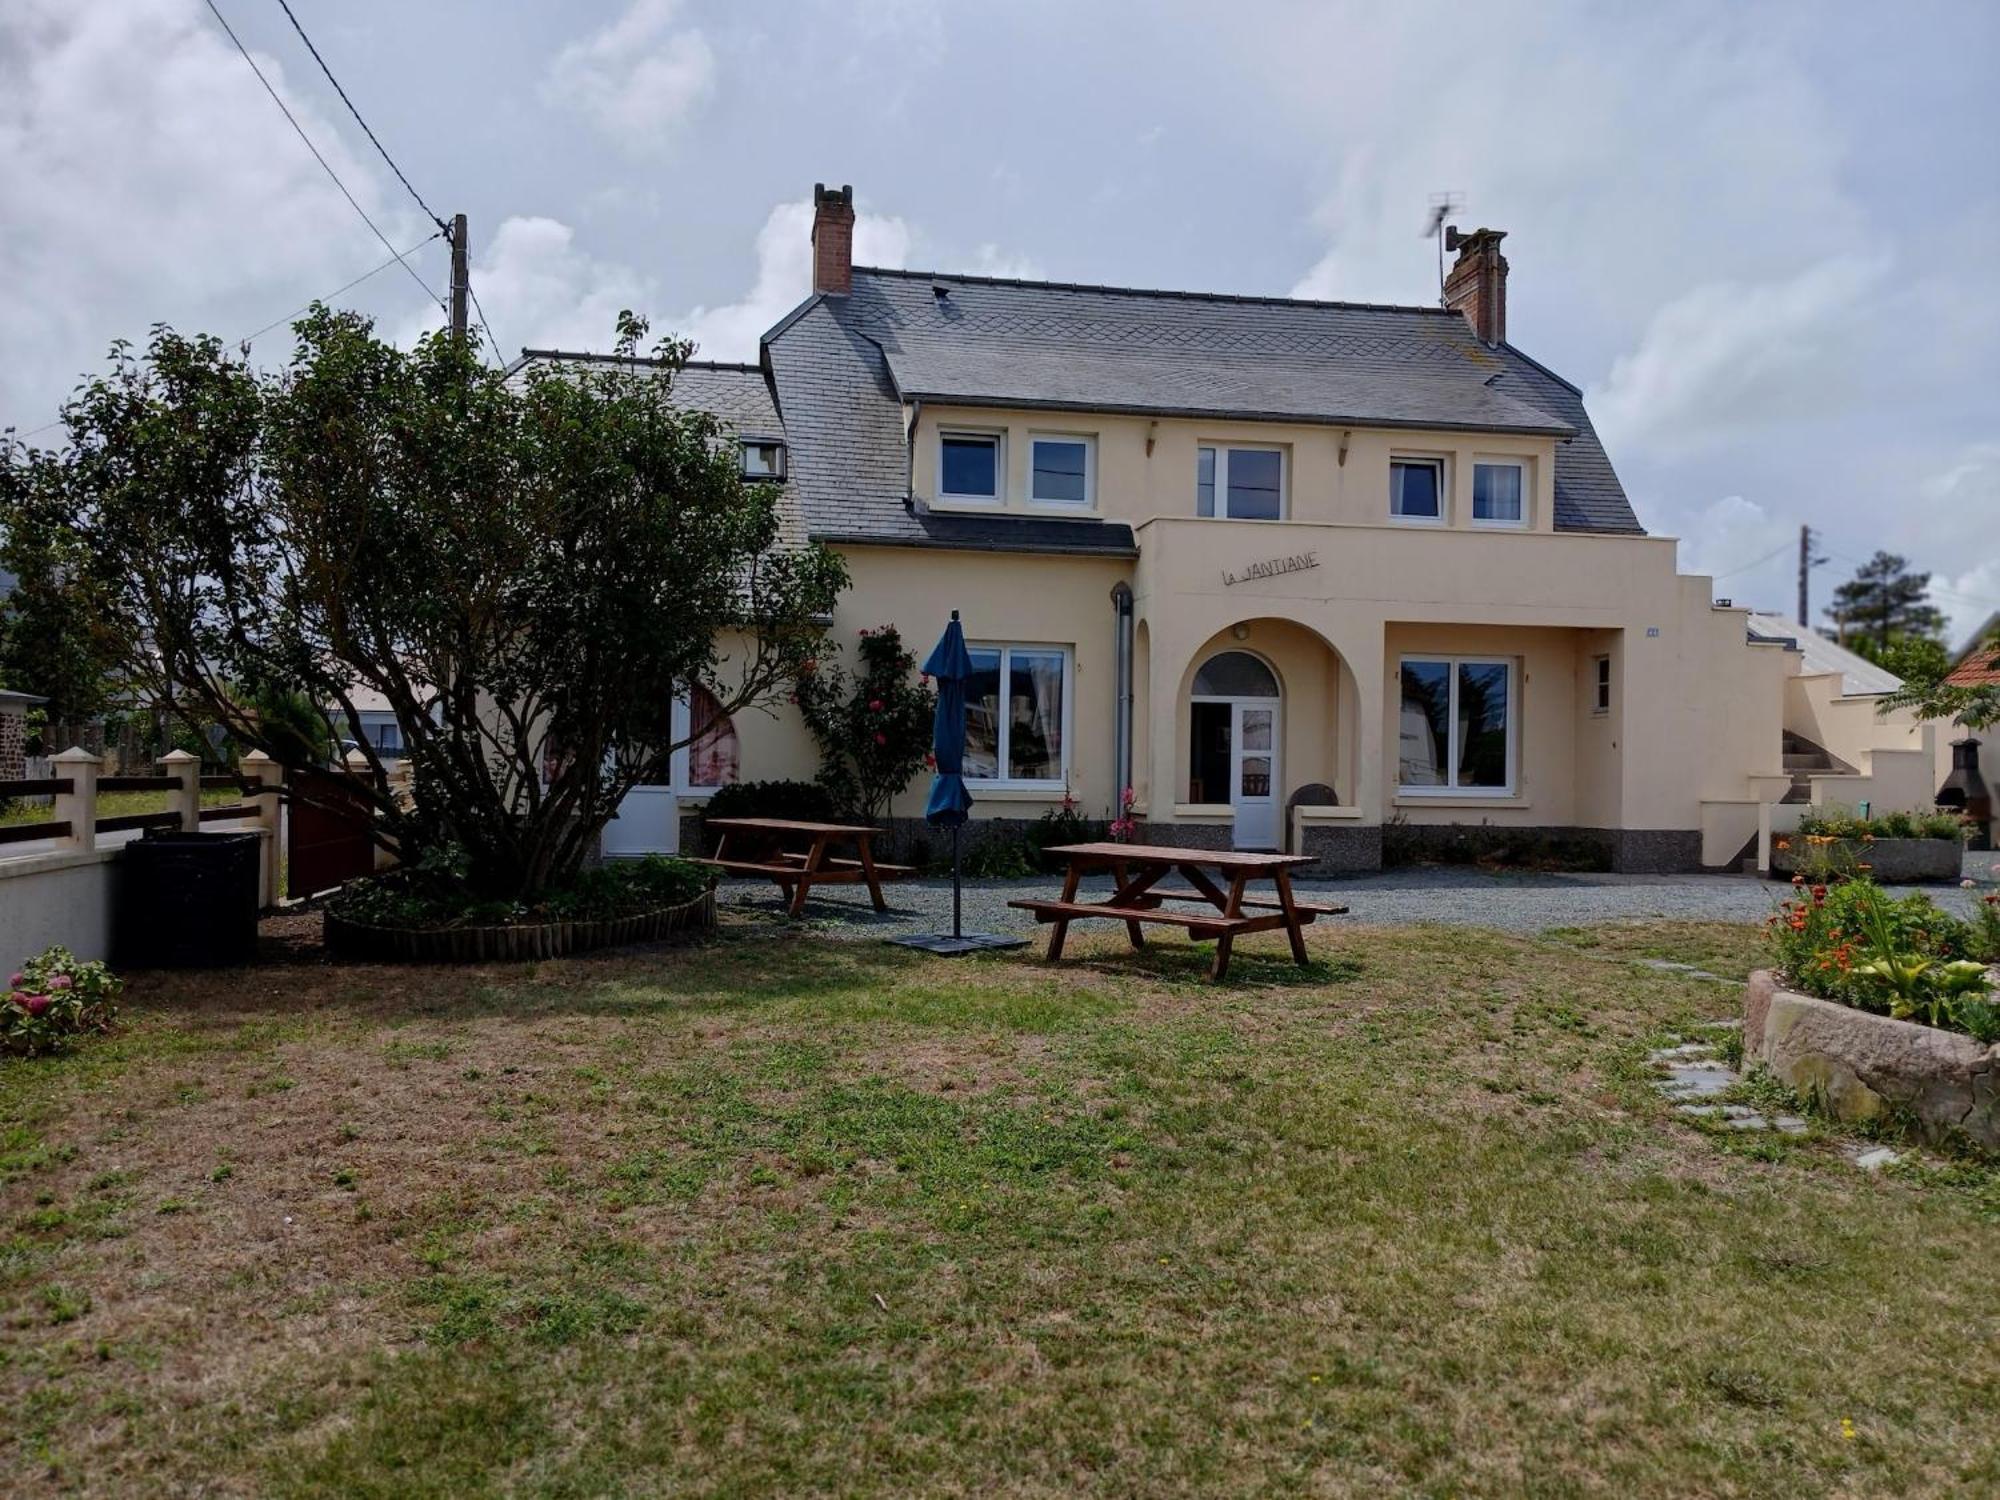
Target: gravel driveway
(1467,897)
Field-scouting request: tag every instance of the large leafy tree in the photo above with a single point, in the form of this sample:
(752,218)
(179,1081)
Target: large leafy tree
(527,570)
(53,637)
(1928,690)
(1882,603)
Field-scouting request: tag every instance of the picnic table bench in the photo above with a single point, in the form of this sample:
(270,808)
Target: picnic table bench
(756,846)
(1137,899)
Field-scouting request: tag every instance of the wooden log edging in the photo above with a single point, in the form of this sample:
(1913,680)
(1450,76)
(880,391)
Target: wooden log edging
(530,940)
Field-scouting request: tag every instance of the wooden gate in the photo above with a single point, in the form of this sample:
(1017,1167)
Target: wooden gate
(328,819)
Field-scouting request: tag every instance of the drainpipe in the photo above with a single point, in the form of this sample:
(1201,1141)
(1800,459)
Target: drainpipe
(1121,724)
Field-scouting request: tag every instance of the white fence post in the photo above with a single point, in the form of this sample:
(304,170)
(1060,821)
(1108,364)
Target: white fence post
(78,805)
(186,798)
(260,768)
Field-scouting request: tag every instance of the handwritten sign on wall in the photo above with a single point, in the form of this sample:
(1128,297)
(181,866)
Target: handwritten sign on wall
(1271,567)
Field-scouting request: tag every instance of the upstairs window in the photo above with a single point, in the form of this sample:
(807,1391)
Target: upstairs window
(969,465)
(1061,471)
(1242,484)
(763,458)
(1497,494)
(1416,489)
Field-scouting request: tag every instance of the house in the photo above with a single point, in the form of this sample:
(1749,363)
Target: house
(1292,571)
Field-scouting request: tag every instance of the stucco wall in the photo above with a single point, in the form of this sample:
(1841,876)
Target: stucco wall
(50,899)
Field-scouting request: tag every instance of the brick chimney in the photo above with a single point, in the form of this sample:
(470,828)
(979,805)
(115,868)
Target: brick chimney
(833,240)
(1477,285)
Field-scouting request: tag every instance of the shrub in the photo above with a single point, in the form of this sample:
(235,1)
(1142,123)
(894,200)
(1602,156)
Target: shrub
(1000,856)
(873,729)
(802,801)
(1060,825)
(1851,944)
(1986,930)
(54,997)
(419,899)
(1844,823)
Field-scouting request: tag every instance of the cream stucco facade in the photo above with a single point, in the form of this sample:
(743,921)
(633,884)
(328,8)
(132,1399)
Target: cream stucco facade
(1297,574)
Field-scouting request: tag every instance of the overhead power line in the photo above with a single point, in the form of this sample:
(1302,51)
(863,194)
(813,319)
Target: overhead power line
(502,358)
(340,290)
(1757,563)
(325,166)
(400,177)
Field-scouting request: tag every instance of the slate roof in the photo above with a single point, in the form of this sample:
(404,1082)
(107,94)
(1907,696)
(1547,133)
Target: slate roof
(842,367)
(739,395)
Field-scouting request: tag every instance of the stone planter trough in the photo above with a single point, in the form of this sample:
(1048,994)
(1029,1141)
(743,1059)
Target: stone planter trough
(353,939)
(1859,1065)
(1891,861)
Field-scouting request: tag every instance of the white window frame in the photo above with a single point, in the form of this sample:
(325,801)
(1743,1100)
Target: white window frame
(1520,466)
(1005,728)
(1600,685)
(777,473)
(982,435)
(1436,461)
(1222,452)
(1451,788)
(1089,442)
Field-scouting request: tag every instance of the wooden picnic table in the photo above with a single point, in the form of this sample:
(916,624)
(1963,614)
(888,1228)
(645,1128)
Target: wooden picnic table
(769,846)
(1138,898)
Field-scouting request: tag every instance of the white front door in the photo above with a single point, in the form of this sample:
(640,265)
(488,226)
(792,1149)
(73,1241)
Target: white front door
(1253,773)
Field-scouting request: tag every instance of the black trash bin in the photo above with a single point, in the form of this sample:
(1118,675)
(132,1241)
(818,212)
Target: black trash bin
(189,901)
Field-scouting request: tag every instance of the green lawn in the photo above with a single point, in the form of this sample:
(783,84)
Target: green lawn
(791,1217)
(110,805)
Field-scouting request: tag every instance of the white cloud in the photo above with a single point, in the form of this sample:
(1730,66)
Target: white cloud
(784,277)
(1748,551)
(542,292)
(991,260)
(638,79)
(148,177)
(1958,516)
(1730,359)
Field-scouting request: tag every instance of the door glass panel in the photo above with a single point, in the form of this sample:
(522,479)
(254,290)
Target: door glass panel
(1235,674)
(1208,752)
(1256,729)
(1256,776)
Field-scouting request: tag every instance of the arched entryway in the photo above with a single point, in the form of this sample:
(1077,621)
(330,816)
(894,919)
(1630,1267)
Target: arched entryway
(1235,735)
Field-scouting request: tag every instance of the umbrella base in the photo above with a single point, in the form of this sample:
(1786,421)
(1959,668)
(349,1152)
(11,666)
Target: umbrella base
(944,945)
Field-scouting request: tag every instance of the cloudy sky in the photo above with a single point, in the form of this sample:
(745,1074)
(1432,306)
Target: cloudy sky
(1761,236)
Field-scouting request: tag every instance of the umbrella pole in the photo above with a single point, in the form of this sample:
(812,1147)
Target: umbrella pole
(956,830)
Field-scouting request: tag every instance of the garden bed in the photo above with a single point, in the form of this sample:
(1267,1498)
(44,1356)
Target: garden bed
(1891,861)
(1860,1065)
(513,940)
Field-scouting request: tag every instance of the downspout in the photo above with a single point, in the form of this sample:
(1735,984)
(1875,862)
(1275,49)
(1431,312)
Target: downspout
(1121,724)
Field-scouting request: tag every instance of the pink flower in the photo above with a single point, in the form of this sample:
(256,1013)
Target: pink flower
(16,980)
(62,982)
(36,1004)
(881,738)
(874,705)
(930,759)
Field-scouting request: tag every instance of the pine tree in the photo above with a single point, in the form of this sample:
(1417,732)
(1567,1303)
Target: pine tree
(1885,602)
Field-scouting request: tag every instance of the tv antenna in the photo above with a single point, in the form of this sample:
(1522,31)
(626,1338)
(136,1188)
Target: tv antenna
(1443,206)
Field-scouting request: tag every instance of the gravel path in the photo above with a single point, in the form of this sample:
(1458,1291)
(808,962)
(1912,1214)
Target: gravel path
(1466,897)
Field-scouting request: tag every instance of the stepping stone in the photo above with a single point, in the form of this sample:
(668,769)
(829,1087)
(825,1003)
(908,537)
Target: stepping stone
(1696,1082)
(1791,1124)
(1876,1159)
(1685,1049)
(1751,1121)
(1736,1025)
(1699,1111)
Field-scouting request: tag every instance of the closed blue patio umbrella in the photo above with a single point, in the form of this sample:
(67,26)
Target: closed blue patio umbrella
(949,665)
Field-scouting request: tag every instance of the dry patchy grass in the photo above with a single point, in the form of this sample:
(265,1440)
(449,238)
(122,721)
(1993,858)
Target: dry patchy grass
(781,1216)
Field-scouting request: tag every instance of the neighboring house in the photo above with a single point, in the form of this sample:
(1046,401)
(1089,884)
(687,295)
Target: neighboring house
(1290,570)
(14,733)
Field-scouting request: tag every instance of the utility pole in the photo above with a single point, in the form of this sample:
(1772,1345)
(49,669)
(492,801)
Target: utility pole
(1807,562)
(463,285)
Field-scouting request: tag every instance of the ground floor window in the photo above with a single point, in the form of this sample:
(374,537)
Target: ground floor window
(1017,715)
(1458,725)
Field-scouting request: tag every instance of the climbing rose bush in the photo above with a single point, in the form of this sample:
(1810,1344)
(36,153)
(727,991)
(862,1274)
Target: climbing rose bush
(54,997)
